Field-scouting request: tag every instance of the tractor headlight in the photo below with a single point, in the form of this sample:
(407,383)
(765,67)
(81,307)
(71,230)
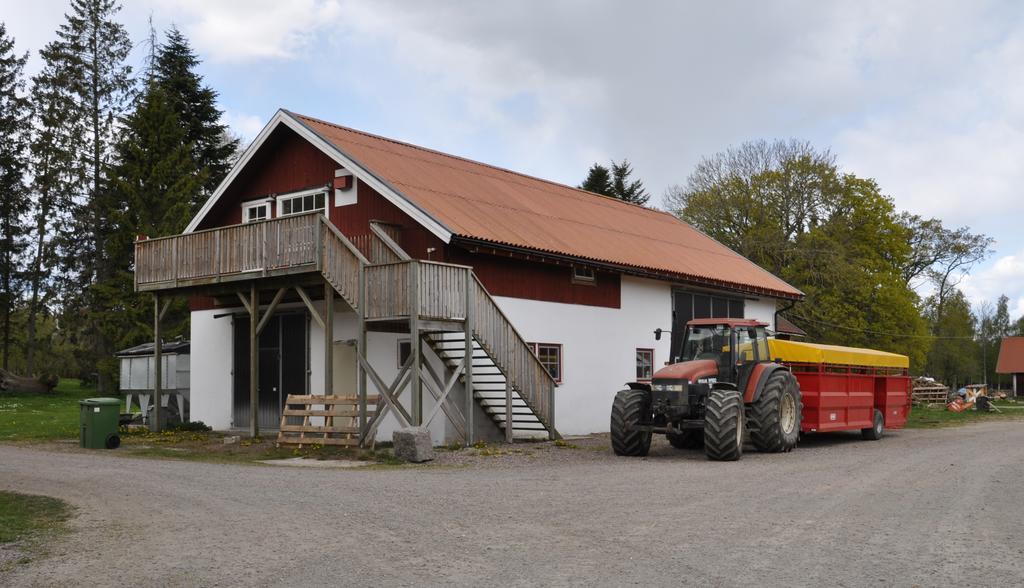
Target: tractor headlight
(672,386)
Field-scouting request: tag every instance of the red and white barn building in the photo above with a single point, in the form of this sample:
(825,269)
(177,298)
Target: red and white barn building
(349,245)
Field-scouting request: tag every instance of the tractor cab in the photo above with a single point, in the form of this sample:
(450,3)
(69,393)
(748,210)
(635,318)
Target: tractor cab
(734,346)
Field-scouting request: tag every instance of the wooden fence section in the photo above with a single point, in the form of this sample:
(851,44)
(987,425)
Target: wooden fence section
(442,290)
(387,290)
(341,262)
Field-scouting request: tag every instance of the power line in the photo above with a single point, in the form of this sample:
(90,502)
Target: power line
(876,332)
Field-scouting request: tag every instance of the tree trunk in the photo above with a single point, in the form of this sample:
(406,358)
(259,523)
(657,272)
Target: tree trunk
(14,384)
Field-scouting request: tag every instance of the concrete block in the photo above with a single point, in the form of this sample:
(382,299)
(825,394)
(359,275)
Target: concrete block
(413,444)
(232,439)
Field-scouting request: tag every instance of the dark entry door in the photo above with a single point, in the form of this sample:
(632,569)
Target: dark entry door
(282,368)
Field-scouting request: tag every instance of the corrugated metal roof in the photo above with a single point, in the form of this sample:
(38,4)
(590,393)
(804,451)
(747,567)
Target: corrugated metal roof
(1011,356)
(487,203)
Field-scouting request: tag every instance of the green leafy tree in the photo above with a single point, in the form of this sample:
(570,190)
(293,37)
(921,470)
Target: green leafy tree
(14,200)
(789,209)
(599,180)
(213,147)
(953,357)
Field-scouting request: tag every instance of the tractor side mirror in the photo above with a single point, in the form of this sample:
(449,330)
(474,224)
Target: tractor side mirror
(657,334)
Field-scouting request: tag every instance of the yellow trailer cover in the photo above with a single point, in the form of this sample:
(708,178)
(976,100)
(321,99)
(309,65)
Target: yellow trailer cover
(796,352)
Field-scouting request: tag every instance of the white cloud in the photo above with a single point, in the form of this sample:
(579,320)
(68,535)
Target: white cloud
(249,30)
(1004,276)
(246,125)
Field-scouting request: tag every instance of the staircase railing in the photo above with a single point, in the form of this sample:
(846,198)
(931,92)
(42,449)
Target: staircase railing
(340,262)
(513,355)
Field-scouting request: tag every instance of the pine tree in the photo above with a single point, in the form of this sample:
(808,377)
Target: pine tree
(152,184)
(14,202)
(213,147)
(625,190)
(599,180)
(91,49)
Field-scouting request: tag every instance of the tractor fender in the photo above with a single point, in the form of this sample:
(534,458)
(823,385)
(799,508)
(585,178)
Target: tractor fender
(758,377)
(638,386)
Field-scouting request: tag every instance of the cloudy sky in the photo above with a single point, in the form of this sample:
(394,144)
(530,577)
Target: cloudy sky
(927,97)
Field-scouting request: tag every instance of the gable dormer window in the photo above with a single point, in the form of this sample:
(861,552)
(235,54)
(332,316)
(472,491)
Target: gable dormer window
(583,275)
(300,202)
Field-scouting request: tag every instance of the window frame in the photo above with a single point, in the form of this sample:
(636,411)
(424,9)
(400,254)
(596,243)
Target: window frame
(299,196)
(398,351)
(587,279)
(251,204)
(647,350)
(561,368)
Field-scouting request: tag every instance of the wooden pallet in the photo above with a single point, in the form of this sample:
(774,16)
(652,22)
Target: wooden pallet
(337,416)
(930,394)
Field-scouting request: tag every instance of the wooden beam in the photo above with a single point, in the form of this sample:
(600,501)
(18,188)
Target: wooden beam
(416,345)
(309,304)
(329,339)
(467,379)
(388,393)
(441,399)
(254,359)
(166,306)
(245,302)
(361,351)
(268,314)
(154,423)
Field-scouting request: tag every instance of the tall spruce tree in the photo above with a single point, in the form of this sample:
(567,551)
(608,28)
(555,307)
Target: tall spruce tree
(213,147)
(14,200)
(152,183)
(599,180)
(624,189)
(58,174)
(93,48)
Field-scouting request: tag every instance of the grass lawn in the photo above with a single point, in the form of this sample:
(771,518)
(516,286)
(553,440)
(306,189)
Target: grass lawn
(930,418)
(43,417)
(28,521)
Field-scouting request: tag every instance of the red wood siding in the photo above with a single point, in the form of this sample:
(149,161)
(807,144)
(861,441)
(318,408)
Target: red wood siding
(287,163)
(504,276)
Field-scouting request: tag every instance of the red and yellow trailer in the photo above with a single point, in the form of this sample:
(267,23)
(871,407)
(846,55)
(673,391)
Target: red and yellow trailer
(841,387)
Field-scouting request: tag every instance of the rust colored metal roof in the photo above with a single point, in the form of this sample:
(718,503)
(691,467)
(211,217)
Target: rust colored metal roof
(786,326)
(1011,356)
(486,203)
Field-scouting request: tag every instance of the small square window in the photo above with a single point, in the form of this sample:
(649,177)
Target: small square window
(550,356)
(644,364)
(255,212)
(583,275)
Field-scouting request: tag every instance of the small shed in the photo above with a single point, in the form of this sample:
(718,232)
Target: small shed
(138,373)
(1011,361)
(786,330)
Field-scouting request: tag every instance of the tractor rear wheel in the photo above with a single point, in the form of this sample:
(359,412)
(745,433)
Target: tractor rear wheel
(628,410)
(874,433)
(723,425)
(688,439)
(775,417)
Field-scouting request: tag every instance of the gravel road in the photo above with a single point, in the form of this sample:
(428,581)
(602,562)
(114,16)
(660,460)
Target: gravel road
(919,508)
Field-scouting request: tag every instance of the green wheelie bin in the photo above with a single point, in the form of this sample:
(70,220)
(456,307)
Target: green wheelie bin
(99,420)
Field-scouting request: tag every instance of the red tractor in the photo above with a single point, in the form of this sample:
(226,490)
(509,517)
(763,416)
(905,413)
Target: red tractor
(725,382)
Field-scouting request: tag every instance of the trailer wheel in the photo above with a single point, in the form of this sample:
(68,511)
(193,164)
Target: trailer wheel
(723,425)
(875,432)
(628,410)
(776,414)
(688,439)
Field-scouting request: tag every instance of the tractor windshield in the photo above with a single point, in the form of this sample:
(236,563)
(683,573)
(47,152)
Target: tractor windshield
(707,342)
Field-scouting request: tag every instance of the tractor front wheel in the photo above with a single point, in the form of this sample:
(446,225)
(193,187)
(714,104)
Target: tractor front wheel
(723,425)
(628,411)
(775,417)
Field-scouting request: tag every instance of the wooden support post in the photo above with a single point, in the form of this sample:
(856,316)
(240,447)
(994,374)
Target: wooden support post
(361,351)
(154,423)
(508,411)
(415,344)
(254,361)
(468,368)
(328,338)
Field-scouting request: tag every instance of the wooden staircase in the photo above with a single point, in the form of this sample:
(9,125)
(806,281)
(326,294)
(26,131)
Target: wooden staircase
(491,388)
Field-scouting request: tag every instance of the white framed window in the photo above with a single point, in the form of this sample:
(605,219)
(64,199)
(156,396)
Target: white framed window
(644,364)
(583,275)
(255,211)
(300,202)
(550,356)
